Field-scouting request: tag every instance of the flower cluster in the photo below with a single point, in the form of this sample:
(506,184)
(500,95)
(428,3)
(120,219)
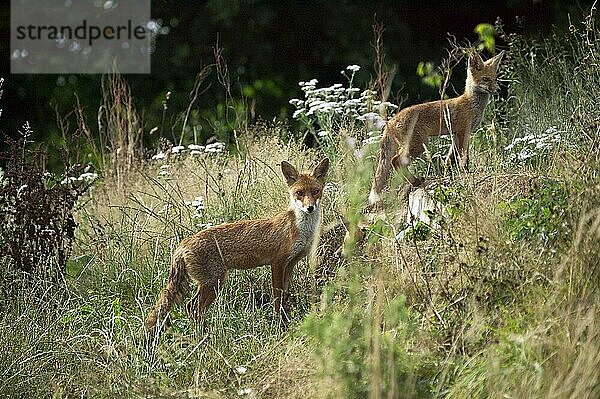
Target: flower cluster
(85,177)
(531,146)
(326,108)
(164,170)
(197,203)
(193,149)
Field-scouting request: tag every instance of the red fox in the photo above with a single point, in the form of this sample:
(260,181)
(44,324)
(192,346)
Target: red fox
(280,241)
(407,132)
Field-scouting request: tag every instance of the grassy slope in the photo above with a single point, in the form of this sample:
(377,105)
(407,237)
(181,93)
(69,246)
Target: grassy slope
(501,302)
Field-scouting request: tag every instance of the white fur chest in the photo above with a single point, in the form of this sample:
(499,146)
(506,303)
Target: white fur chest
(308,225)
(479,101)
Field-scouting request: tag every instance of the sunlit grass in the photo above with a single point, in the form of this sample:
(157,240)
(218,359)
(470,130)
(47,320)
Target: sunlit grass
(500,300)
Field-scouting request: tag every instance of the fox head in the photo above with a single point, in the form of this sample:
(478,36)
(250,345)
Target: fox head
(481,76)
(306,189)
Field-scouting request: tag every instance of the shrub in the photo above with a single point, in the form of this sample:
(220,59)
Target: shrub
(36,212)
(541,216)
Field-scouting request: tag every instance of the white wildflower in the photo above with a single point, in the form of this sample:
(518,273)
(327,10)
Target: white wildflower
(67,180)
(196,147)
(353,68)
(245,391)
(351,103)
(198,202)
(215,147)
(241,370)
(525,154)
(177,149)
(372,140)
(159,156)
(369,117)
(389,105)
(542,145)
(88,176)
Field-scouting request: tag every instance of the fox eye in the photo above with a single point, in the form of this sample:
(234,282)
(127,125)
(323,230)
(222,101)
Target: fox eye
(300,193)
(315,192)
(487,80)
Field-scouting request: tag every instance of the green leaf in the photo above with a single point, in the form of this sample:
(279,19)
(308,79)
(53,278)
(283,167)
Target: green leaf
(487,37)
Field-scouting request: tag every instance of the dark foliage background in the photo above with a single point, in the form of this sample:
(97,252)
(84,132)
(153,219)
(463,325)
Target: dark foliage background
(269,47)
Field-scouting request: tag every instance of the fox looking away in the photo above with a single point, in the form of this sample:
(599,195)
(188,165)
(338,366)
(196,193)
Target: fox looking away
(407,132)
(281,241)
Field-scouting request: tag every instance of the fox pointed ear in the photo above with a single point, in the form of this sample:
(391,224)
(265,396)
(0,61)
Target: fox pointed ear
(321,169)
(495,61)
(475,62)
(289,172)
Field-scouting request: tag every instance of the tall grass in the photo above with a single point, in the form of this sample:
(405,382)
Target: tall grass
(500,301)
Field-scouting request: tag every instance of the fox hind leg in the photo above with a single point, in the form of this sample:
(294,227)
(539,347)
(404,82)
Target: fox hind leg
(459,151)
(398,146)
(388,149)
(205,295)
(404,157)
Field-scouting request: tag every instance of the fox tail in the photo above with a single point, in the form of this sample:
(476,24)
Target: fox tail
(173,292)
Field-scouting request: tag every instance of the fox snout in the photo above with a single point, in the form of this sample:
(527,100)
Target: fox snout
(307,205)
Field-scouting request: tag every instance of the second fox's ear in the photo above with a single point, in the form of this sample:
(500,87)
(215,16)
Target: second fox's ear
(475,62)
(289,172)
(495,61)
(321,170)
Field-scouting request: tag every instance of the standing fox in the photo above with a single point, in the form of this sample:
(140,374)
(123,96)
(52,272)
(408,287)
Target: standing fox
(280,241)
(407,132)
